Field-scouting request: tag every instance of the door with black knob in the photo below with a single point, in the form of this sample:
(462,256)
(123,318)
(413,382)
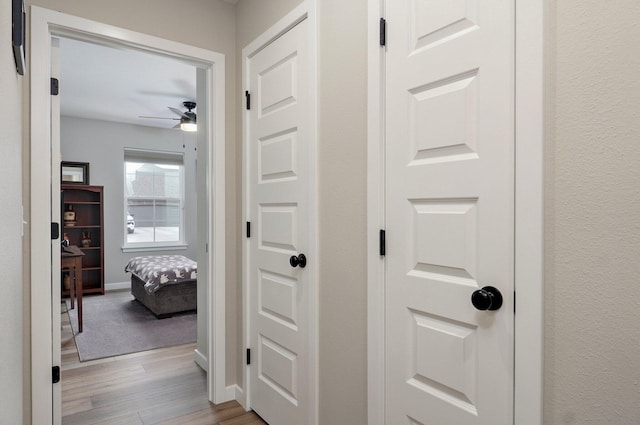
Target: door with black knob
(449,212)
(280,267)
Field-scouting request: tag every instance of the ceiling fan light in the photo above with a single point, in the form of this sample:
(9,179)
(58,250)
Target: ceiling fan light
(187,123)
(188,126)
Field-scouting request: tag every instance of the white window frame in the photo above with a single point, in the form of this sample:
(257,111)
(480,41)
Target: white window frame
(152,157)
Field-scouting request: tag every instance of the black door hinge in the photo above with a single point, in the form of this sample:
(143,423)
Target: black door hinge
(55,86)
(248,356)
(55,231)
(248,229)
(383,32)
(248,96)
(55,374)
(383,242)
(514,302)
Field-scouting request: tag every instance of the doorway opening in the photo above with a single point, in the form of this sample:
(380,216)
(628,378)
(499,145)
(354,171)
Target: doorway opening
(119,116)
(44,196)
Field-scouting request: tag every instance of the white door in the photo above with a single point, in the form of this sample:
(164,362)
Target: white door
(449,211)
(280,191)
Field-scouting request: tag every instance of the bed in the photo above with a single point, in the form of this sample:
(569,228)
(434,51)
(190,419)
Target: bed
(165,284)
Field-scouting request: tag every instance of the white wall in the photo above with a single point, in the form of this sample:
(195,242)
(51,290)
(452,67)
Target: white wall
(592,332)
(11,301)
(102,144)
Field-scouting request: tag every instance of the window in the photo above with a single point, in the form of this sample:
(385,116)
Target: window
(154,198)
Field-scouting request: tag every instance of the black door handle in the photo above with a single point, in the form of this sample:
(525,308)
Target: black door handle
(487,298)
(299,261)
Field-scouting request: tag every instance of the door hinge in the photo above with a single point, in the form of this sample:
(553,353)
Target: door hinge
(383,242)
(248,356)
(514,302)
(55,86)
(383,32)
(248,229)
(55,231)
(55,374)
(248,96)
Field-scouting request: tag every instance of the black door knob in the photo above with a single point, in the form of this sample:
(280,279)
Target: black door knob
(299,261)
(487,298)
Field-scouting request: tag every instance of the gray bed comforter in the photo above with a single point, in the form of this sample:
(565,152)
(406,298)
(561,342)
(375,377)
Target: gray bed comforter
(158,270)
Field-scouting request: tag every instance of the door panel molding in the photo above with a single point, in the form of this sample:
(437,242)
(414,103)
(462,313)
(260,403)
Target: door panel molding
(529,120)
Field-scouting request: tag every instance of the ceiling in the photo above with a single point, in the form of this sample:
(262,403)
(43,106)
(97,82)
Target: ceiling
(120,85)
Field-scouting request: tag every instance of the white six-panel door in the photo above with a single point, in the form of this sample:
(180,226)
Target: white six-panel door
(280,189)
(449,211)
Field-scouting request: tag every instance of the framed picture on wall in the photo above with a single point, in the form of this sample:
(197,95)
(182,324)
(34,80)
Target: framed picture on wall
(17,36)
(74,172)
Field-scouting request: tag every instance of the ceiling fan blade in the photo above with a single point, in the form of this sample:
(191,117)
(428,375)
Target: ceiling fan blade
(159,118)
(177,111)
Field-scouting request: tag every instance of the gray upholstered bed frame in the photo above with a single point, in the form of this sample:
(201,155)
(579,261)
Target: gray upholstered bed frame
(168,299)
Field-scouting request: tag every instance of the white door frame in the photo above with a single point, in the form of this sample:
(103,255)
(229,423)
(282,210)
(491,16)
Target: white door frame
(529,230)
(45,24)
(306,10)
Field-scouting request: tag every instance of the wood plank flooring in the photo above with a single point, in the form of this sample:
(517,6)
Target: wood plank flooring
(160,387)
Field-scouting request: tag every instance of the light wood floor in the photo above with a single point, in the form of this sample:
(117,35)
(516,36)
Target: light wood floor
(161,387)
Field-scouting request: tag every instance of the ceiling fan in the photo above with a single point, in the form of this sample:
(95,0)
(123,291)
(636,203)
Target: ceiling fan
(187,119)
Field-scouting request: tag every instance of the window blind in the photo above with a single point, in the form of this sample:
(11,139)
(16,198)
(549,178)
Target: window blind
(155,157)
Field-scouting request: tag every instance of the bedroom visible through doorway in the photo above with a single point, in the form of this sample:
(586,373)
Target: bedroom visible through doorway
(46,28)
(128,102)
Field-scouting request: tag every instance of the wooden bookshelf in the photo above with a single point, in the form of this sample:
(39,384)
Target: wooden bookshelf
(87,203)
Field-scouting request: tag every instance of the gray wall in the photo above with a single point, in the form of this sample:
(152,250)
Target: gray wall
(592,204)
(11,301)
(342,164)
(102,144)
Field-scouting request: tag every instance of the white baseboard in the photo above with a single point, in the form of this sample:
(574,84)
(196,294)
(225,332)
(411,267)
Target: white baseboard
(234,392)
(200,360)
(117,286)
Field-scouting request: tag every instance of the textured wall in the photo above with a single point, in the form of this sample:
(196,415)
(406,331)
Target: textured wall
(592,332)
(11,319)
(208,24)
(342,163)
